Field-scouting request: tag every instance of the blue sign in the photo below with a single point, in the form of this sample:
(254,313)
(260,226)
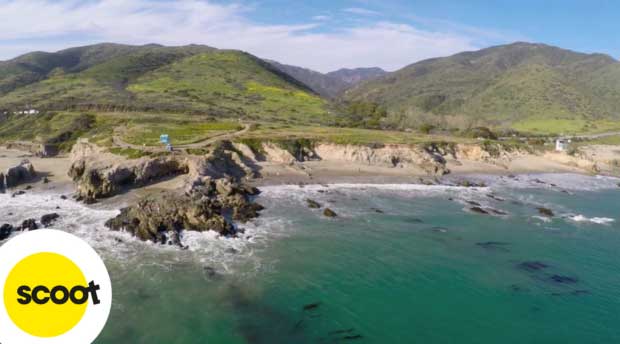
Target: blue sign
(163,138)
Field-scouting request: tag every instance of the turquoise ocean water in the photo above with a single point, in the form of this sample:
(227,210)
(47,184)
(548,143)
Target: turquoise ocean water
(400,264)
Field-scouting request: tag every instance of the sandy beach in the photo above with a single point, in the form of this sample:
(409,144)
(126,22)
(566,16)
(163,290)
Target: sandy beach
(330,171)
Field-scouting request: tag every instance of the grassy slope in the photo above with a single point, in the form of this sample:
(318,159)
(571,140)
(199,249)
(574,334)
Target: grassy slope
(501,86)
(230,83)
(190,79)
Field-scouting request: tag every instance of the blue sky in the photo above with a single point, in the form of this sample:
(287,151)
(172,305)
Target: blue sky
(322,35)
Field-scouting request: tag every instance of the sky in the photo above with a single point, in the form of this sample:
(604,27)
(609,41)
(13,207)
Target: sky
(322,35)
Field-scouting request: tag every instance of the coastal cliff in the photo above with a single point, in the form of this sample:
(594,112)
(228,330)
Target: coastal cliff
(212,196)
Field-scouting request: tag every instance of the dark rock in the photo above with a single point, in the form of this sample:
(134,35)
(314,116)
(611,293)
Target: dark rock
(378,211)
(2,186)
(19,174)
(353,337)
(29,224)
(470,184)
(311,306)
(329,213)
(45,180)
(475,204)
(580,292)
(5,231)
(494,245)
(18,193)
(313,204)
(161,217)
(532,266)
(48,219)
(545,212)
(210,272)
(479,210)
(564,279)
(498,212)
(29,187)
(246,211)
(63,197)
(499,199)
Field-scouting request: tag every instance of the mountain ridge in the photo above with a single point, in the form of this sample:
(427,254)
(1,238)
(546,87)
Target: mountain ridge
(499,86)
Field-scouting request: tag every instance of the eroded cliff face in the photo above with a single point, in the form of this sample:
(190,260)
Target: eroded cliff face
(396,156)
(98,173)
(430,158)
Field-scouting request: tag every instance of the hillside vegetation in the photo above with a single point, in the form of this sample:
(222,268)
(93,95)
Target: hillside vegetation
(522,85)
(330,85)
(191,79)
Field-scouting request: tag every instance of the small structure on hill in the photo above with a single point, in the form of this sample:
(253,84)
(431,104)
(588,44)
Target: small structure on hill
(561,145)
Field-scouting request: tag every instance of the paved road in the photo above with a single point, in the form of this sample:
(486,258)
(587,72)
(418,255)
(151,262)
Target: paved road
(118,141)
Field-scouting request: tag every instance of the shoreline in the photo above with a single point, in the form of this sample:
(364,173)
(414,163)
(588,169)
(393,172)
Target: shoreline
(308,172)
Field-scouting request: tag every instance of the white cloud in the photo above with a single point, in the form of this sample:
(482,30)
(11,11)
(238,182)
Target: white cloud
(361,11)
(321,18)
(71,22)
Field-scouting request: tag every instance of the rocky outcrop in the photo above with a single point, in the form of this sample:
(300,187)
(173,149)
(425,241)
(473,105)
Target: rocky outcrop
(273,153)
(14,176)
(99,173)
(312,204)
(329,213)
(49,219)
(5,231)
(29,225)
(210,205)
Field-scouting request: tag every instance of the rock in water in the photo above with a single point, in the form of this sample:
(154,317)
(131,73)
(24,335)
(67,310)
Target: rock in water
(479,210)
(160,218)
(313,204)
(2,186)
(29,225)
(5,231)
(329,213)
(19,174)
(532,266)
(545,212)
(18,193)
(564,279)
(48,219)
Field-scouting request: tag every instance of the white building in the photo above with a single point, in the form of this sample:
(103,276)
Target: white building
(28,112)
(561,145)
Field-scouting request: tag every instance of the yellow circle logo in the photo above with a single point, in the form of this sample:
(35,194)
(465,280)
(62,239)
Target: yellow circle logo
(54,289)
(38,293)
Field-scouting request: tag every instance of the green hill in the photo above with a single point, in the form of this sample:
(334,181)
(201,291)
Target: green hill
(533,87)
(190,79)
